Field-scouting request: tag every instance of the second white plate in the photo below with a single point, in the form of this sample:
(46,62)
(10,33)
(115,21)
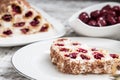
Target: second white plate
(34,61)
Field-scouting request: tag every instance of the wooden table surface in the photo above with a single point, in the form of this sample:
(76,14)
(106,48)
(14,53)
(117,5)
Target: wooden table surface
(59,9)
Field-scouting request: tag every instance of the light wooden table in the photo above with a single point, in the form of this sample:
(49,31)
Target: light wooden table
(59,9)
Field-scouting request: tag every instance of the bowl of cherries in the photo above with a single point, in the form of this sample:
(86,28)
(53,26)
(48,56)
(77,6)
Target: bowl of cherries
(101,20)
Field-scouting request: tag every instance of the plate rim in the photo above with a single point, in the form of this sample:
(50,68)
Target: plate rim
(29,77)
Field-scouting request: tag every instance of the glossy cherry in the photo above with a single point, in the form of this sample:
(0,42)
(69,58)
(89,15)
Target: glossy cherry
(101,21)
(84,17)
(95,14)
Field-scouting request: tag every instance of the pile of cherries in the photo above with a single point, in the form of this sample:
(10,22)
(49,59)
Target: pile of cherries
(106,16)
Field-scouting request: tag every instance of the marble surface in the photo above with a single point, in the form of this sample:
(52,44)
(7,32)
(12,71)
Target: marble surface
(59,9)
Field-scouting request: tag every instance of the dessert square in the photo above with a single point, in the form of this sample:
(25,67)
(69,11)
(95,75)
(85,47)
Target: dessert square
(76,58)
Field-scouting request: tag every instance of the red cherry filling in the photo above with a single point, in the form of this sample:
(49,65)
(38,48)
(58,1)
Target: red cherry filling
(66,55)
(7,17)
(35,22)
(29,14)
(84,57)
(59,44)
(44,28)
(16,9)
(24,30)
(20,24)
(82,50)
(114,55)
(64,49)
(73,55)
(98,55)
(7,32)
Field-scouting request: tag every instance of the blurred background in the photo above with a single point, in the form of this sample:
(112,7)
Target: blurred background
(63,9)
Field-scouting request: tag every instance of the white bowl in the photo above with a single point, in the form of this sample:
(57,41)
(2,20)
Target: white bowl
(83,29)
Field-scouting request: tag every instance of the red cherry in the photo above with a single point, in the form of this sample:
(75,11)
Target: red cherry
(114,55)
(112,13)
(16,9)
(116,9)
(64,49)
(7,17)
(98,55)
(92,23)
(25,30)
(73,55)
(107,7)
(95,14)
(63,39)
(59,44)
(35,22)
(84,57)
(82,50)
(66,55)
(75,44)
(44,28)
(111,20)
(103,12)
(29,14)
(7,32)
(118,20)
(93,49)
(84,17)
(101,21)
(20,24)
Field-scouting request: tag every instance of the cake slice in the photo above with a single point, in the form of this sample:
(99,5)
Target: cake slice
(19,18)
(76,58)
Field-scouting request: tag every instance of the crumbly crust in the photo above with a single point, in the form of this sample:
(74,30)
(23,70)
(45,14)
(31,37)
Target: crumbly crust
(65,65)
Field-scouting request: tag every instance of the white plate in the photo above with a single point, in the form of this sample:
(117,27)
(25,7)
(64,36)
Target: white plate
(34,62)
(22,40)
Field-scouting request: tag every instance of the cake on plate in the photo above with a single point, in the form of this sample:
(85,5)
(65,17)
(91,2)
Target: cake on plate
(17,17)
(76,58)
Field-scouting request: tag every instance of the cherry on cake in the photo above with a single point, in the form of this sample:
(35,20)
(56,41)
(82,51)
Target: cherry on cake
(17,17)
(75,58)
